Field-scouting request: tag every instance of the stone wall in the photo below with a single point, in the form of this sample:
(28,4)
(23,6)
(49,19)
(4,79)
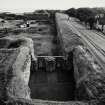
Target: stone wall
(89,76)
(53,63)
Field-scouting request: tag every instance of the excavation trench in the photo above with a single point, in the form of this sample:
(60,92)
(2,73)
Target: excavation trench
(53,83)
(53,79)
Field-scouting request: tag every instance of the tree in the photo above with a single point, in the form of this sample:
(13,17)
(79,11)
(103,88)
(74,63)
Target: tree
(71,12)
(84,13)
(91,21)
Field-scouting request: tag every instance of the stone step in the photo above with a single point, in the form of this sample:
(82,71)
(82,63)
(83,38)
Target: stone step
(45,102)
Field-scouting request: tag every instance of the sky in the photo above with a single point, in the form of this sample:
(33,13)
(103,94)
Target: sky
(20,6)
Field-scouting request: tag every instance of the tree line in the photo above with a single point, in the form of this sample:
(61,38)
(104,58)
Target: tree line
(89,16)
(37,14)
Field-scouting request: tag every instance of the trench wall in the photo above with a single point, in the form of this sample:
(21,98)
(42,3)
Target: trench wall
(15,63)
(89,76)
(14,73)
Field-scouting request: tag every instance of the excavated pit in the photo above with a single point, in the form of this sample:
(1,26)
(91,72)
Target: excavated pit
(58,85)
(53,80)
